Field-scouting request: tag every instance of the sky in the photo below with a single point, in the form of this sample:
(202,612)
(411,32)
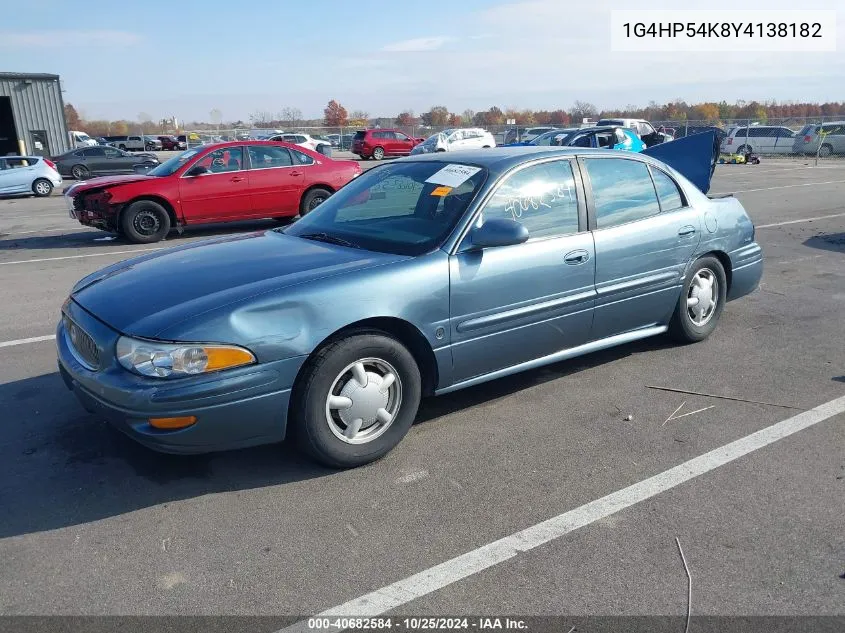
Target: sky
(185,58)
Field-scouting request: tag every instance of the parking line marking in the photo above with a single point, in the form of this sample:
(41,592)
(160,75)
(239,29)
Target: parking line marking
(24,341)
(803,184)
(820,217)
(53,259)
(36,231)
(434,578)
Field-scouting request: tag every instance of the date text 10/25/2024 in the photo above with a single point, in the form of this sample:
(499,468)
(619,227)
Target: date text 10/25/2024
(417,624)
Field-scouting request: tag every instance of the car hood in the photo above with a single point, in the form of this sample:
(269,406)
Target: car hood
(102,182)
(151,293)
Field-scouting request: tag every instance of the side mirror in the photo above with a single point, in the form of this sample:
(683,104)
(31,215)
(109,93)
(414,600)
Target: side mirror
(497,232)
(197,170)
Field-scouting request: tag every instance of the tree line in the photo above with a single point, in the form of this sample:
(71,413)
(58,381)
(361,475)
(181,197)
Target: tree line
(337,116)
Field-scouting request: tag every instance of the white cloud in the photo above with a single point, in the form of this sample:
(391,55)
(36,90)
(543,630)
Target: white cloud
(61,38)
(418,44)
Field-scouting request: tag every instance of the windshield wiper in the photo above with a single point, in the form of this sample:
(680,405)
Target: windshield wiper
(329,239)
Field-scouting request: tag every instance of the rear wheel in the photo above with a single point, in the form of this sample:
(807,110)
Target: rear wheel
(80,172)
(312,200)
(744,149)
(701,302)
(378,153)
(42,187)
(357,400)
(145,222)
(826,150)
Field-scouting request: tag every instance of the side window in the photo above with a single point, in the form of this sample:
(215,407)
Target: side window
(98,151)
(582,141)
(401,137)
(301,139)
(622,191)
(620,136)
(667,191)
(541,197)
(16,163)
(758,132)
(301,158)
(109,153)
(267,156)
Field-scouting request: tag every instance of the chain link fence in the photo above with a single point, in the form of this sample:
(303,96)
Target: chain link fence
(816,137)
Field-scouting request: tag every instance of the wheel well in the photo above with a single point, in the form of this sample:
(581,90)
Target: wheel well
(402,331)
(328,188)
(174,221)
(725,260)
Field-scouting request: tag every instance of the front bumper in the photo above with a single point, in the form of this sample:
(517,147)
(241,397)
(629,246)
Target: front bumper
(234,409)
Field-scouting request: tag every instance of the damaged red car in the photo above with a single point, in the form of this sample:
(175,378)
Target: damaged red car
(225,182)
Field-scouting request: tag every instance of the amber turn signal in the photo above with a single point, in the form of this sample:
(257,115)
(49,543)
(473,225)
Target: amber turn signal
(173,423)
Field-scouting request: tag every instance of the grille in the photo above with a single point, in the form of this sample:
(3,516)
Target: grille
(82,345)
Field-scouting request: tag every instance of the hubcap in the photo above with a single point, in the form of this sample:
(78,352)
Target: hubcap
(146,222)
(42,187)
(78,173)
(702,297)
(379,154)
(316,202)
(363,401)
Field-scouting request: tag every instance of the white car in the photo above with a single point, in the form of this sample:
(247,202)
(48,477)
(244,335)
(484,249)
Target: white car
(303,140)
(455,139)
(34,175)
(533,132)
(81,139)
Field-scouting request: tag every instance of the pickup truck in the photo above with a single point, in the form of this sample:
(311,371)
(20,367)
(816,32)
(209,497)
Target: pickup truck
(134,143)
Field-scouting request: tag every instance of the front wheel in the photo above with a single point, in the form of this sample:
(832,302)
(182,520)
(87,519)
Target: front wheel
(42,188)
(357,399)
(312,200)
(80,172)
(701,302)
(145,222)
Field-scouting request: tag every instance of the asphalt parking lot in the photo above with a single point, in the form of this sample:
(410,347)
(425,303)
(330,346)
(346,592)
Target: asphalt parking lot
(93,524)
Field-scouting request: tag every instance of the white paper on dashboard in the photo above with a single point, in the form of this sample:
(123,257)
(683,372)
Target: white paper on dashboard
(453,175)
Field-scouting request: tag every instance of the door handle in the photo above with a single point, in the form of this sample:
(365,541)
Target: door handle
(237,178)
(576,257)
(686,230)
(295,173)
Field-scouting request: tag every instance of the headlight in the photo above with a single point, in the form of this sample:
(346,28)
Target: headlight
(163,360)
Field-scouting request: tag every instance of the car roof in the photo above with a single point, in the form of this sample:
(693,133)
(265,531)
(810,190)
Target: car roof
(501,159)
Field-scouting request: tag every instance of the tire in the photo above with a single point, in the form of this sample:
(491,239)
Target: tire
(42,188)
(312,200)
(684,327)
(145,222)
(378,153)
(319,427)
(825,150)
(744,149)
(80,172)
(122,146)
(486,147)
(440,150)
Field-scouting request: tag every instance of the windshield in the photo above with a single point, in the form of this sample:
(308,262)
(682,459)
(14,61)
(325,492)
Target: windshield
(405,208)
(82,136)
(169,166)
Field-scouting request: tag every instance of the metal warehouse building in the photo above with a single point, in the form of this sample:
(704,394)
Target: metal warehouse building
(32,115)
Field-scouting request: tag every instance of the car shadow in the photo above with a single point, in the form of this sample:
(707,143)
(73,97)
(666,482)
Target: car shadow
(60,466)
(827,242)
(433,408)
(94,239)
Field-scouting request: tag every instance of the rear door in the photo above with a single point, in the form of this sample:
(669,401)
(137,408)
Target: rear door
(512,304)
(220,194)
(275,183)
(643,242)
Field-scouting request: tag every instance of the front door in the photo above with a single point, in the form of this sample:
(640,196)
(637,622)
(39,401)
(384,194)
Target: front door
(644,239)
(221,193)
(275,182)
(402,144)
(512,304)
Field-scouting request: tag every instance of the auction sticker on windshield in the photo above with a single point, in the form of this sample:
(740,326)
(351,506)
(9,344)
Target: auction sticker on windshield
(453,175)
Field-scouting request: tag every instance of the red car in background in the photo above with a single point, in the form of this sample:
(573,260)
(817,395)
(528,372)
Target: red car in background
(224,182)
(171,143)
(380,143)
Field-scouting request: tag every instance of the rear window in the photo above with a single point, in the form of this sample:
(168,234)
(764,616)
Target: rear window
(359,135)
